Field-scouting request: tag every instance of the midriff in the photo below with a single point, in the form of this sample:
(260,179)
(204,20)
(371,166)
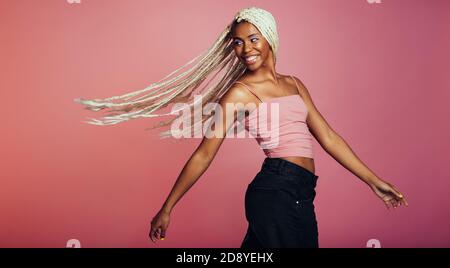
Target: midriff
(305,162)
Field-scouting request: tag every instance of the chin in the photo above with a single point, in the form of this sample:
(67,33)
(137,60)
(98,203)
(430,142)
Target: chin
(254,66)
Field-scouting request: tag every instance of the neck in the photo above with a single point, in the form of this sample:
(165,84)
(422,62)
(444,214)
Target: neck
(266,71)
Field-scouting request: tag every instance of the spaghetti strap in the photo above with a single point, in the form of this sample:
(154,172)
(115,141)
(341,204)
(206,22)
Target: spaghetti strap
(249,89)
(294,81)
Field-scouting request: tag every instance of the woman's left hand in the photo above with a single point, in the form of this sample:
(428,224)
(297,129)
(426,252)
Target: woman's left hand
(387,192)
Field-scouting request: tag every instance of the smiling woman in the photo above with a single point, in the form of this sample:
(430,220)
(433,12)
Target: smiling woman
(254,38)
(180,87)
(279,200)
(253,42)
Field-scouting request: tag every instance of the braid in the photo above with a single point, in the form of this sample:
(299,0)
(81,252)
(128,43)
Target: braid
(181,87)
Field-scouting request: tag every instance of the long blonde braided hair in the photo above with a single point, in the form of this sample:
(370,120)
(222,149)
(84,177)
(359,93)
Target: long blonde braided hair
(181,87)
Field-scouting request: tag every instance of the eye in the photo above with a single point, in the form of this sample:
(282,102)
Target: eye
(254,38)
(236,42)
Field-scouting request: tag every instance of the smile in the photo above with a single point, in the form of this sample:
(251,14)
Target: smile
(251,59)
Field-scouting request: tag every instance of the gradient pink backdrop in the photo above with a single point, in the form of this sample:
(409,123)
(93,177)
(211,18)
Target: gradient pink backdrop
(379,73)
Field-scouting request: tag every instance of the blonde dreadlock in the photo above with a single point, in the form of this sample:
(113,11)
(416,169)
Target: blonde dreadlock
(181,88)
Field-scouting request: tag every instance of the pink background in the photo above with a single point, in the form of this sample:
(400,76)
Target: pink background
(377,72)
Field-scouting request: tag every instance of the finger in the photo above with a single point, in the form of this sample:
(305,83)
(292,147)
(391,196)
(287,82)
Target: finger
(397,203)
(158,233)
(386,202)
(393,203)
(403,200)
(151,236)
(163,234)
(397,192)
(154,235)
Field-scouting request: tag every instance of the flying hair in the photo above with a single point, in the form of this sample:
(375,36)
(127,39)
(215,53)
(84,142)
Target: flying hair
(181,85)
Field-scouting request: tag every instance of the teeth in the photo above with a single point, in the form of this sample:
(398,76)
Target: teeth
(251,59)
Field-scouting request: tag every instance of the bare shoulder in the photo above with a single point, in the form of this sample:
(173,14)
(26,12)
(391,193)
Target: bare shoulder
(300,87)
(238,93)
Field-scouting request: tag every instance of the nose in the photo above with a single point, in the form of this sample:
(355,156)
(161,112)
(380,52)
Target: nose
(248,47)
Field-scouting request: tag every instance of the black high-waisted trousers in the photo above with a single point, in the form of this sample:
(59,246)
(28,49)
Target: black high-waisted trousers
(279,207)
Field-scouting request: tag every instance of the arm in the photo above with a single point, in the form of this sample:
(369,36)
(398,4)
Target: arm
(338,148)
(198,162)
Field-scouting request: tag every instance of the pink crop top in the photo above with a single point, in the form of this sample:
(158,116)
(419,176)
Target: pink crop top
(287,136)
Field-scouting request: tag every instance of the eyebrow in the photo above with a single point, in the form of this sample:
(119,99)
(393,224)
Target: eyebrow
(247,36)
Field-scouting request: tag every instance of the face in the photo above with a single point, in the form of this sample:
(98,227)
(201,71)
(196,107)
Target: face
(248,42)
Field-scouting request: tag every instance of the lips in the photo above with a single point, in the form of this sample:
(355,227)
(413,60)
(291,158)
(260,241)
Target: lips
(251,59)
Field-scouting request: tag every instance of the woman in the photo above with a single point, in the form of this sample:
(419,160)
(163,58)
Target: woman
(279,200)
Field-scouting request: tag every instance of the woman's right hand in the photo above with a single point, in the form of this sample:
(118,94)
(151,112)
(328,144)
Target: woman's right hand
(159,225)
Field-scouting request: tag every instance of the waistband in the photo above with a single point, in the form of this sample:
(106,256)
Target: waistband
(282,166)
